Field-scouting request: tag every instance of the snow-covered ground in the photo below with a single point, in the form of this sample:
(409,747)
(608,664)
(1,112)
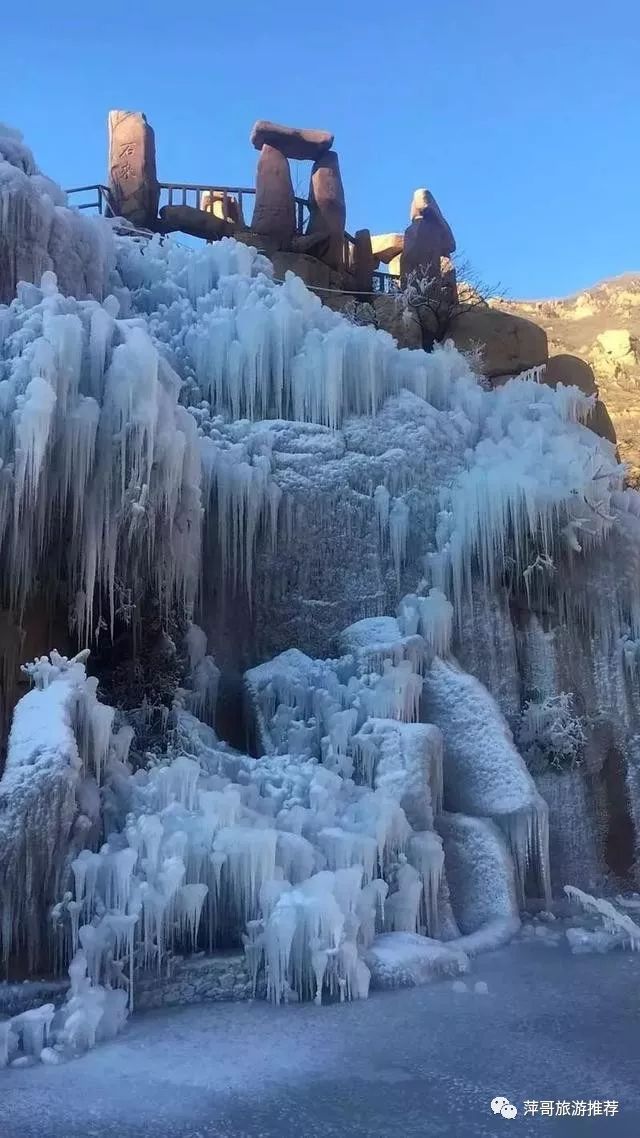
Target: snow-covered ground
(423,1061)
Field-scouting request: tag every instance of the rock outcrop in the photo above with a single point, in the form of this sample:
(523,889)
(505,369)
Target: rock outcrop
(507,344)
(601,325)
(292,141)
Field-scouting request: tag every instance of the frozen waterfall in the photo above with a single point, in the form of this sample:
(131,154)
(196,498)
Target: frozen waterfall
(351,526)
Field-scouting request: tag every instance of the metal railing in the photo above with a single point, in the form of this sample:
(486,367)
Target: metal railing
(190,193)
(100,201)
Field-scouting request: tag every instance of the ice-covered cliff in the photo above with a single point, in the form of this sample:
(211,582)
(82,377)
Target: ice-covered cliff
(416,575)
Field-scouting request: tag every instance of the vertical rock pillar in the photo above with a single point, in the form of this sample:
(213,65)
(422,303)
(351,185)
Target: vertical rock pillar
(327,209)
(274,214)
(364,262)
(132,168)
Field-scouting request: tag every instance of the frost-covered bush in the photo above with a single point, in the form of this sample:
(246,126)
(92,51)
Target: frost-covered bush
(611,928)
(551,733)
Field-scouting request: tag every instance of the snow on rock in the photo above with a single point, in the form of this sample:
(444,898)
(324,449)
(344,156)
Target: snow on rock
(481,875)
(484,774)
(617,928)
(404,960)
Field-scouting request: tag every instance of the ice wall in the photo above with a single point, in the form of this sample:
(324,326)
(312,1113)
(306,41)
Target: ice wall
(260,464)
(59,744)
(39,234)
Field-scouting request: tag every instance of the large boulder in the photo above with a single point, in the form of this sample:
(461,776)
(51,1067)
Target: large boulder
(572,372)
(274,214)
(509,344)
(599,421)
(327,208)
(132,167)
(292,141)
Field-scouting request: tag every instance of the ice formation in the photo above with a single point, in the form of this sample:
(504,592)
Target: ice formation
(175,422)
(39,234)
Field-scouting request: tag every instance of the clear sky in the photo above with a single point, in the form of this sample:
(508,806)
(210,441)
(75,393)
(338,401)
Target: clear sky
(523,118)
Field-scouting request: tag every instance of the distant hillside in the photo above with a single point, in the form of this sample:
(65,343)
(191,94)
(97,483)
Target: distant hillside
(602,325)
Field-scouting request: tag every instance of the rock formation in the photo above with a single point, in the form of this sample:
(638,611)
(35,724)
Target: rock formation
(195,222)
(274,213)
(132,167)
(387,246)
(601,325)
(327,208)
(573,372)
(363,262)
(508,344)
(294,142)
(427,240)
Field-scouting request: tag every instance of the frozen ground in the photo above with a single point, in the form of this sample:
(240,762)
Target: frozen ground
(416,1062)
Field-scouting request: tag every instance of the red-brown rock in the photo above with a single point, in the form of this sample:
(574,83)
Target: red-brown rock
(425,245)
(274,213)
(327,209)
(293,142)
(364,263)
(132,167)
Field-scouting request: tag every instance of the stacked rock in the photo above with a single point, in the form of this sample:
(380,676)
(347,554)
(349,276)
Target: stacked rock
(274,215)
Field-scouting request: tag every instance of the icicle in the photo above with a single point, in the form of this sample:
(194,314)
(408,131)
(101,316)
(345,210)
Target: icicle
(398,533)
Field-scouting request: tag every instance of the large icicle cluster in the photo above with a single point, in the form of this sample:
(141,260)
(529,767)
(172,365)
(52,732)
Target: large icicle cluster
(59,744)
(39,234)
(306,854)
(173,392)
(99,464)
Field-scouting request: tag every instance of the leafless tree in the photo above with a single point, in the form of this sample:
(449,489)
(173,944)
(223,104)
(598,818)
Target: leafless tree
(437,299)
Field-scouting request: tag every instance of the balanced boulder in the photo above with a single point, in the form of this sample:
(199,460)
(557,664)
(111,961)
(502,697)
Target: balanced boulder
(292,141)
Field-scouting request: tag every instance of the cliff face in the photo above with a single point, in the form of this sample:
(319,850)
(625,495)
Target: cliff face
(602,326)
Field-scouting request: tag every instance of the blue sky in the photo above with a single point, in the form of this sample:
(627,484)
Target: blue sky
(522,118)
